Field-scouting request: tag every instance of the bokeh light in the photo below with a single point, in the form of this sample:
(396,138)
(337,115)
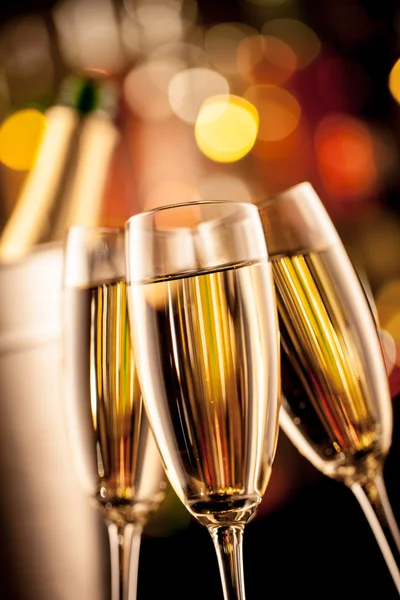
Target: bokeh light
(131,36)
(387,302)
(189,89)
(279,112)
(378,241)
(170,192)
(345,158)
(164,21)
(26,59)
(146,88)
(209,110)
(393,329)
(389,350)
(388,308)
(265,60)
(188,54)
(394,81)
(220,186)
(88,35)
(386,154)
(226,128)
(286,162)
(222,41)
(301,38)
(20,138)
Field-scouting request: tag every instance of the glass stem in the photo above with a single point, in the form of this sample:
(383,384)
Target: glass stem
(374,501)
(228,542)
(124,552)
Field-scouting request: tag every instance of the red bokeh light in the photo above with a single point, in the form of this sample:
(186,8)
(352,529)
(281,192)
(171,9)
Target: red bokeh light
(345,157)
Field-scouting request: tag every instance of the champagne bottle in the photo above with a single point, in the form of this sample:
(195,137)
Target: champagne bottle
(67,183)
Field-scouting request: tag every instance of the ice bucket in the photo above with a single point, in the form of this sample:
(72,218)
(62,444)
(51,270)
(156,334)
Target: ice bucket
(53,545)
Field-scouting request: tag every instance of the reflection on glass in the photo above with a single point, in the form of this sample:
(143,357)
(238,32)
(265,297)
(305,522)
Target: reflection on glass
(336,406)
(204,328)
(115,454)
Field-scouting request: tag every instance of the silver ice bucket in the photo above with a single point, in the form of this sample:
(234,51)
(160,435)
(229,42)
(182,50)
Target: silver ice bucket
(53,545)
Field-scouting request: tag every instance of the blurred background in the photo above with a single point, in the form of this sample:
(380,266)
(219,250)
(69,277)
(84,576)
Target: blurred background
(111,107)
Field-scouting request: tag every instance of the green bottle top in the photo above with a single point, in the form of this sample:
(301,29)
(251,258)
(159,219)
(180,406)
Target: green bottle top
(89,94)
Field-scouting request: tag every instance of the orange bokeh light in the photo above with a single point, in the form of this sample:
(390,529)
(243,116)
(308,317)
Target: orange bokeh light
(221,42)
(279,112)
(265,59)
(170,192)
(345,157)
(299,36)
(394,81)
(285,162)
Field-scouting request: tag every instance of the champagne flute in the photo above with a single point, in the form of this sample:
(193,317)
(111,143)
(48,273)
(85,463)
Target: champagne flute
(204,327)
(336,405)
(116,457)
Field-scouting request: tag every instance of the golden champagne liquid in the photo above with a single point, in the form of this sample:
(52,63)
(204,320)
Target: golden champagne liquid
(336,406)
(210,377)
(115,451)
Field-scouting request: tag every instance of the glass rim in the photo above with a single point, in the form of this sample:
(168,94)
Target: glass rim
(193,203)
(93,229)
(82,242)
